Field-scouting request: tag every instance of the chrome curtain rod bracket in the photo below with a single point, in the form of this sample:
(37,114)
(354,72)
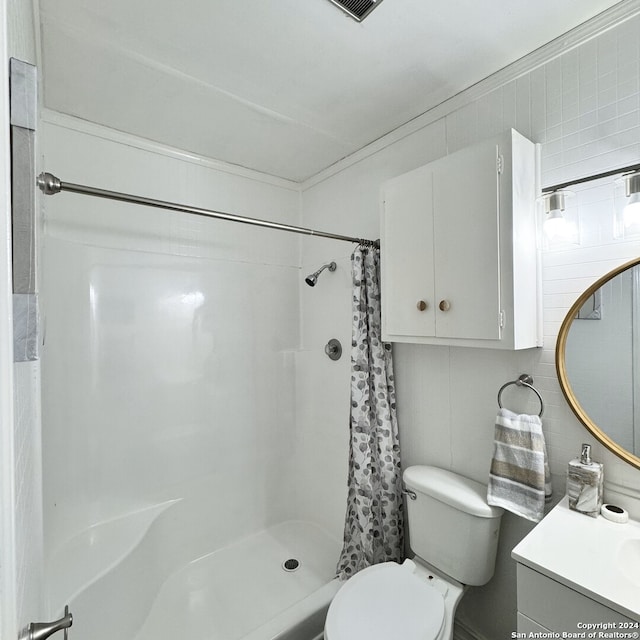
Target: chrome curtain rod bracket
(50,185)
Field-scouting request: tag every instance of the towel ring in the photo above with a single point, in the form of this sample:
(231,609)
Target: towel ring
(525,380)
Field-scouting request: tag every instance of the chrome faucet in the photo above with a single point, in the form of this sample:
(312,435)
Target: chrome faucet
(42,630)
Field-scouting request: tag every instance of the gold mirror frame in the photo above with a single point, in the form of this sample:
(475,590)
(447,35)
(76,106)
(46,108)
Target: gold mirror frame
(561,369)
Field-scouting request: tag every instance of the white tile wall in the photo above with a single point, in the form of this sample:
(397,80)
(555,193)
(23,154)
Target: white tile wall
(584,109)
(567,271)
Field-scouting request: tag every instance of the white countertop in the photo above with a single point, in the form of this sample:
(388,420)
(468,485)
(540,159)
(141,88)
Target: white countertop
(594,556)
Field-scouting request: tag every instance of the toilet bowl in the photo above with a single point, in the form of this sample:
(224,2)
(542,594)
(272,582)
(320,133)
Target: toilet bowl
(454,536)
(390,600)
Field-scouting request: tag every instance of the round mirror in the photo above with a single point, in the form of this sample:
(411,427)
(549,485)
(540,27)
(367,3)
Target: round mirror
(598,360)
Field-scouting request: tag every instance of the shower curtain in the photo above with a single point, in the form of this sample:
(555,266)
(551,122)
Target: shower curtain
(374,523)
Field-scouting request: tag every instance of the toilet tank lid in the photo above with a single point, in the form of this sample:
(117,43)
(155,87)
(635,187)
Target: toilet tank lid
(455,490)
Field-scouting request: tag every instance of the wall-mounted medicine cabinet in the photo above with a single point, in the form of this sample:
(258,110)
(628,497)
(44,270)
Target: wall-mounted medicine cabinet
(459,253)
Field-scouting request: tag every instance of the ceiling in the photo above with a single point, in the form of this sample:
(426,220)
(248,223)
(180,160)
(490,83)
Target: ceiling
(286,87)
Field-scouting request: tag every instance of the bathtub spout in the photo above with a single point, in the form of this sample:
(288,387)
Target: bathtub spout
(42,630)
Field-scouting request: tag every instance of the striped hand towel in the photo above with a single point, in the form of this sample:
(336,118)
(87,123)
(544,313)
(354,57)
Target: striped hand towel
(519,479)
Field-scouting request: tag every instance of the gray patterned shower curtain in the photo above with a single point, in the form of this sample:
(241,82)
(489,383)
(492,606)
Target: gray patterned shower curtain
(374,523)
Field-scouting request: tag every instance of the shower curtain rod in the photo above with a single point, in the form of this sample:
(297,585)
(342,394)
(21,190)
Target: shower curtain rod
(50,185)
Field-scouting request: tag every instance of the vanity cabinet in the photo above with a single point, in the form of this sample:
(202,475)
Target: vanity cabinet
(459,252)
(547,605)
(574,571)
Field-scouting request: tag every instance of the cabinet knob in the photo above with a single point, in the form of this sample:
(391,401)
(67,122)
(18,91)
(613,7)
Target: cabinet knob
(422,305)
(444,305)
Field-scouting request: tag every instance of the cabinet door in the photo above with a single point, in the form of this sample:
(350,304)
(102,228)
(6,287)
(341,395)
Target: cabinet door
(407,237)
(466,250)
(556,607)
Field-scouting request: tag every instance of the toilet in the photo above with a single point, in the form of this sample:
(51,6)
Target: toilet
(453,533)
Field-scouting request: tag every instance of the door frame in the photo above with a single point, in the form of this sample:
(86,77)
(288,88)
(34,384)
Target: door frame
(8,559)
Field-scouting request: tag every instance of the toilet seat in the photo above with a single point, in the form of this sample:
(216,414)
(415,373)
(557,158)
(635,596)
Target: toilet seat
(385,601)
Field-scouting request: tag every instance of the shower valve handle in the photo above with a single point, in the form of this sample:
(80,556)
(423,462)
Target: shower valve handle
(333,349)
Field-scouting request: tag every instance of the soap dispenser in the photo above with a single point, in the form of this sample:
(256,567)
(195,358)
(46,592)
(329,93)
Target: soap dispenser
(585,482)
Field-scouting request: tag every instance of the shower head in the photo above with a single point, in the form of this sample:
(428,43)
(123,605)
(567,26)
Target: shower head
(313,278)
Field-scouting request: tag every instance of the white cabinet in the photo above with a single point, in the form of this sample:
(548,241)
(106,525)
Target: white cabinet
(547,605)
(459,257)
(575,571)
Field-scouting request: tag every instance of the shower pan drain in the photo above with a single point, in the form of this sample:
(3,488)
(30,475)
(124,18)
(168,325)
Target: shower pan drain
(291,564)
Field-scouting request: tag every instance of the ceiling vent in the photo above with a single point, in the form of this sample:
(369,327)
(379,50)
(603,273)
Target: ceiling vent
(357,9)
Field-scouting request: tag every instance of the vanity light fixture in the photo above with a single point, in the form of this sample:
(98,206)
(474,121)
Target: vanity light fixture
(555,225)
(631,176)
(631,213)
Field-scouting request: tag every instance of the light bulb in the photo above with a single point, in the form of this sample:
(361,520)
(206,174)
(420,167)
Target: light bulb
(631,213)
(555,226)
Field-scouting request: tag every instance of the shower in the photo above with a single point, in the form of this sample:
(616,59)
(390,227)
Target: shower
(313,278)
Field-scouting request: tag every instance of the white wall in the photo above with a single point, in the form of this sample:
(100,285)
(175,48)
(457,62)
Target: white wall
(584,108)
(168,365)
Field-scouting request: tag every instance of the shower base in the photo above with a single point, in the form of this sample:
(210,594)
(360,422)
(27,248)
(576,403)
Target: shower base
(129,579)
(244,592)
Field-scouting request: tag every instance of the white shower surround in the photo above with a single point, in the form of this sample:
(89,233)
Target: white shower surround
(169,388)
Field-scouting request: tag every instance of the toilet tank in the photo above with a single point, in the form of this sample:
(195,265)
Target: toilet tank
(451,526)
